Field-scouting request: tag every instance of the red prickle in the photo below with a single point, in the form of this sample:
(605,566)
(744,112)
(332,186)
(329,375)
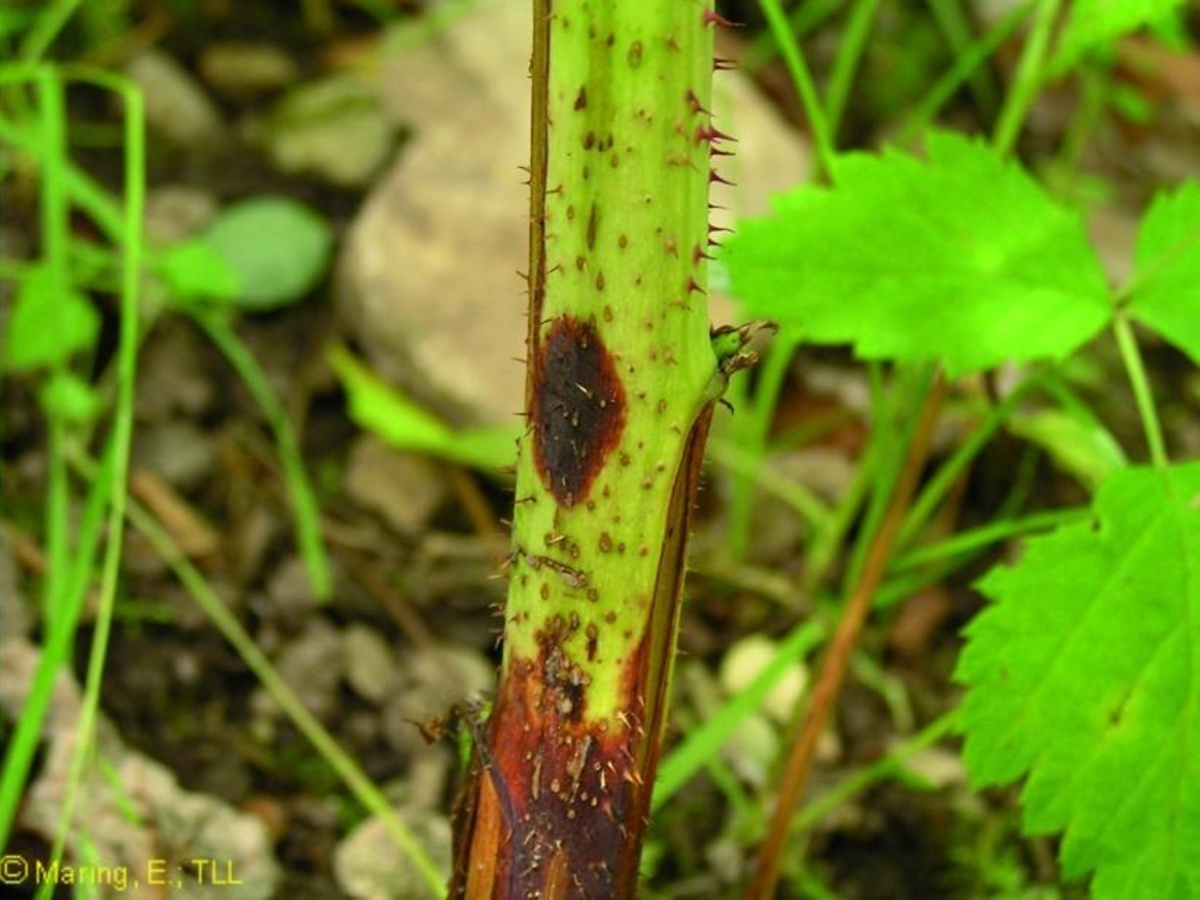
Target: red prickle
(712,17)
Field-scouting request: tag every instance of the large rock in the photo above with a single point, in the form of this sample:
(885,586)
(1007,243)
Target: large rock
(426,282)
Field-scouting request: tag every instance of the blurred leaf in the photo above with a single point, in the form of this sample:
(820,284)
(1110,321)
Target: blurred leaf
(68,397)
(277,248)
(1166,282)
(50,322)
(1095,23)
(961,259)
(194,270)
(1083,448)
(380,408)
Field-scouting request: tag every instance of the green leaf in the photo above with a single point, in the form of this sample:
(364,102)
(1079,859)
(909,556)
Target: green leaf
(194,270)
(68,397)
(961,259)
(278,248)
(1166,282)
(50,322)
(1085,674)
(1079,445)
(380,408)
(1096,23)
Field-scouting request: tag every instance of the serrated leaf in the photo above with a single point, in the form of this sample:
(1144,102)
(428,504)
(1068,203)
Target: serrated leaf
(380,408)
(279,249)
(1084,674)
(51,321)
(1166,282)
(1094,23)
(962,259)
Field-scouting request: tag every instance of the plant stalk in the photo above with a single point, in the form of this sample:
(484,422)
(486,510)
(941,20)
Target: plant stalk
(837,658)
(621,379)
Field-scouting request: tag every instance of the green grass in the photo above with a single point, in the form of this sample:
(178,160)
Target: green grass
(84,559)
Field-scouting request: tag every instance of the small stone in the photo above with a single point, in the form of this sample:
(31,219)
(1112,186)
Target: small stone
(176,212)
(178,451)
(290,589)
(751,750)
(174,374)
(940,767)
(433,680)
(14,617)
(746,659)
(449,673)
(313,666)
(403,488)
(176,105)
(371,667)
(368,866)
(244,70)
(135,805)
(333,129)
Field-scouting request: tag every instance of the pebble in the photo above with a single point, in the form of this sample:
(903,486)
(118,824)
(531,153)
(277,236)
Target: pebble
(370,663)
(313,665)
(743,662)
(176,105)
(334,130)
(180,452)
(245,70)
(368,866)
(403,488)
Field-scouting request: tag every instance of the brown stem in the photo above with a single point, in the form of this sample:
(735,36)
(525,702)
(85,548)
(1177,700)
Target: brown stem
(837,658)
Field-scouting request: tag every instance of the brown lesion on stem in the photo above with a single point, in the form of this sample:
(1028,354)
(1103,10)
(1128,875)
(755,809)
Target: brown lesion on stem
(578,411)
(558,794)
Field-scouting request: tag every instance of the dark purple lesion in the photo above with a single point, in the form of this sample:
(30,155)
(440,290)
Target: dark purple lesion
(578,408)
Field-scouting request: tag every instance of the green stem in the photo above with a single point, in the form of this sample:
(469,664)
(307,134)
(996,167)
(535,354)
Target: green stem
(968,542)
(54,232)
(1028,78)
(956,28)
(72,576)
(1135,368)
(892,436)
(83,191)
(748,464)
(48,26)
(804,18)
(121,440)
(966,63)
(1089,110)
(304,501)
(885,768)
(802,79)
(845,64)
(939,485)
(823,551)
